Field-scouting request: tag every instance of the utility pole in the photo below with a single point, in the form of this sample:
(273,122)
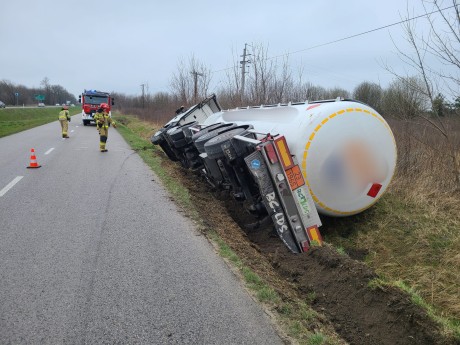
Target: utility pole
(195,82)
(143,98)
(243,70)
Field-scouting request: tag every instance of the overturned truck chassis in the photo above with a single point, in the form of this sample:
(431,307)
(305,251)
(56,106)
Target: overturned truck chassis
(257,169)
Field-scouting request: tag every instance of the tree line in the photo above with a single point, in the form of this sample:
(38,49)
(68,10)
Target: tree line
(16,94)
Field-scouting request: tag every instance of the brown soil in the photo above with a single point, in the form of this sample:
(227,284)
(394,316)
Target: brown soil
(338,283)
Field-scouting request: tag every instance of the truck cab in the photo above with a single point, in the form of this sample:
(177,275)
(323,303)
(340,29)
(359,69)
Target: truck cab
(90,101)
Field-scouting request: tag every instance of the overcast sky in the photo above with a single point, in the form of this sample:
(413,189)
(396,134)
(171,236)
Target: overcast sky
(119,45)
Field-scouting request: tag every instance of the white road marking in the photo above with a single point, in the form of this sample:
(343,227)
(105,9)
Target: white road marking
(72,131)
(49,151)
(10,185)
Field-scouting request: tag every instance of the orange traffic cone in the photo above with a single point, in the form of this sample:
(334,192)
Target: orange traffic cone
(33,160)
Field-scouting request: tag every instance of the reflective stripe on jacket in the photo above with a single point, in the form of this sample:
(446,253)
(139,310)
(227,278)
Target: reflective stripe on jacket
(103,120)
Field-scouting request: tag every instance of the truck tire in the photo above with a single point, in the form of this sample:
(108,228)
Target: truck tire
(169,152)
(206,130)
(199,142)
(157,138)
(180,143)
(178,134)
(213,147)
(167,133)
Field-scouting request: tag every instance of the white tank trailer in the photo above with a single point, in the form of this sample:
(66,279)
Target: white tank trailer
(346,150)
(287,162)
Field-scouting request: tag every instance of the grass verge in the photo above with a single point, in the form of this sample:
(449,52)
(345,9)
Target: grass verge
(411,242)
(15,120)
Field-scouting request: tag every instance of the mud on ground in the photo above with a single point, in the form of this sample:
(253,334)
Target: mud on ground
(359,314)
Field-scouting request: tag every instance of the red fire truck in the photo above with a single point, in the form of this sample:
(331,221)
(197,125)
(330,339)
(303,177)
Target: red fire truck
(90,101)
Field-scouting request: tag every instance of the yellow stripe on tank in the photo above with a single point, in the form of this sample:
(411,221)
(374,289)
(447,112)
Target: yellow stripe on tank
(305,155)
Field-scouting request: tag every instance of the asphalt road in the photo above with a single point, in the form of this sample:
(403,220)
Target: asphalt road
(93,251)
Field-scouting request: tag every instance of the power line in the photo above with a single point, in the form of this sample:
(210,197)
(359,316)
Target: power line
(349,37)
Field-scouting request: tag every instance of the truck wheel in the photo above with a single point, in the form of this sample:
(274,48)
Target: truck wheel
(206,130)
(169,152)
(213,146)
(200,141)
(168,132)
(179,132)
(180,143)
(157,138)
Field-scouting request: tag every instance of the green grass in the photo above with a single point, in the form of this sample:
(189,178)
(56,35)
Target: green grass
(316,339)
(306,313)
(15,120)
(341,250)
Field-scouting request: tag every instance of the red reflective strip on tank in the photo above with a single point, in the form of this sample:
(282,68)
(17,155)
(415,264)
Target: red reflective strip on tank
(313,106)
(271,154)
(283,151)
(374,190)
(314,235)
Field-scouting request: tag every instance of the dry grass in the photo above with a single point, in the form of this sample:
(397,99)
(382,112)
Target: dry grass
(425,168)
(155,115)
(413,233)
(425,182)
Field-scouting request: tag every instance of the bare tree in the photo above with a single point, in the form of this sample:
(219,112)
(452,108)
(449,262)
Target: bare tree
(7,90)
(261,75)
(45,84)
(191,79)
(336,92)
(315,92)
(369,93)
(282,83)
(180,83)
(405,99)
(442,43)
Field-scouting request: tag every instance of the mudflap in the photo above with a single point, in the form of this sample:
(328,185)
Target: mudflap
(259,170)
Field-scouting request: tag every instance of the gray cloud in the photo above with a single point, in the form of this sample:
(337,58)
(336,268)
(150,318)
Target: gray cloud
(118,45)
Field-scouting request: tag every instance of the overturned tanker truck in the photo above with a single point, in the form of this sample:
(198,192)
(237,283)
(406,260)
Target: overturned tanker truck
(287,162)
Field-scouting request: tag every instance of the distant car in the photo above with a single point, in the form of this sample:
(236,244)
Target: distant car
(57,104)
(41,104)
(72,105)
(2,105)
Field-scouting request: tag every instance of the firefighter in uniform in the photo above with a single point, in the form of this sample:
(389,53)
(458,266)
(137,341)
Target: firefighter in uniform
(103,120)
(64,119)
